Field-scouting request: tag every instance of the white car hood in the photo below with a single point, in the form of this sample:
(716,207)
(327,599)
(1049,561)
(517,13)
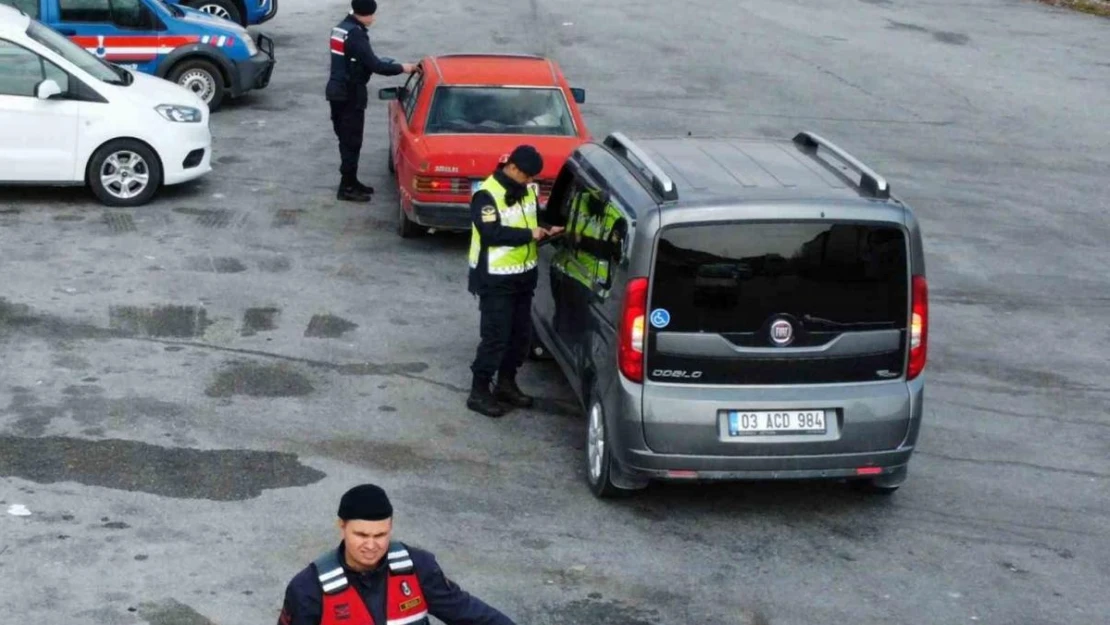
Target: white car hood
(152,90)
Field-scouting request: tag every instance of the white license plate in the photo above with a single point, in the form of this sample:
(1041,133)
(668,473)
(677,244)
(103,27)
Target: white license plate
(772,422)
(474,185)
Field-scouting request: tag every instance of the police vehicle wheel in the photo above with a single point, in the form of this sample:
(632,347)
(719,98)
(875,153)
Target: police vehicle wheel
(405,226)
(599,458)
(202,78)
(220,8)
(124,173)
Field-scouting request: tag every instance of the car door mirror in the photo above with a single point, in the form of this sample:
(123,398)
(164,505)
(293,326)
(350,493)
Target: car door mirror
(47,89)
(579,94)
(389,93)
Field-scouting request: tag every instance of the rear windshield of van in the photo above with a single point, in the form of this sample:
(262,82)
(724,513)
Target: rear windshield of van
(733,278)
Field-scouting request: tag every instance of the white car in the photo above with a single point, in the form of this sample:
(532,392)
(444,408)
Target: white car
(69,118)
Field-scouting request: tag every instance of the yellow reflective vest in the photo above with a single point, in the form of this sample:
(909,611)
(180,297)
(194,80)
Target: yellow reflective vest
(502,260)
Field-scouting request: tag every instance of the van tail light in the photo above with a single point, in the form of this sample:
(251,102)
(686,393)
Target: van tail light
(630,354)
(919,327)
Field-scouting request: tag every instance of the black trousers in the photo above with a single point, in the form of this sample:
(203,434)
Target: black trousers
(348,121)
(506,331)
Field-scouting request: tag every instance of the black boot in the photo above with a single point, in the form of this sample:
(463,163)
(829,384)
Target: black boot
(349,191)
(508,392)
(482,400)
(365,188)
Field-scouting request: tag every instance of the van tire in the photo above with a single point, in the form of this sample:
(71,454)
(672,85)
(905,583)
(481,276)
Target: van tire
(215,6)
(151,166)
(196,72)
(601,485)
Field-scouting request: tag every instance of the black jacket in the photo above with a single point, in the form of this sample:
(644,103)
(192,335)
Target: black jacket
(493,234)
(351,72)
(446,600)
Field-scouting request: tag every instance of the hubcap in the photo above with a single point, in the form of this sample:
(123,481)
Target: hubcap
(199,82)
(124,174)
(217,10)
(596,441)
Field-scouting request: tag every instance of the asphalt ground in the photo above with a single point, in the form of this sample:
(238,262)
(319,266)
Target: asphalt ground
(187,388)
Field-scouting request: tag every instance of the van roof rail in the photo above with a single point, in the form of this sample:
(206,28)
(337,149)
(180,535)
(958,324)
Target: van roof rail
(661,183)
(870,182)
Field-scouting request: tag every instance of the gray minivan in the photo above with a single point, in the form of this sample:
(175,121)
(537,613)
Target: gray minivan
(730,309)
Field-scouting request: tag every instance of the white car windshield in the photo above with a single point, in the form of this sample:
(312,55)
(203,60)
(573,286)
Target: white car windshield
(77,55)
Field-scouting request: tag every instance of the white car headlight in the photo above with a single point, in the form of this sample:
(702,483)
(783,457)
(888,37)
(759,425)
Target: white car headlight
(249,41)
(178,113)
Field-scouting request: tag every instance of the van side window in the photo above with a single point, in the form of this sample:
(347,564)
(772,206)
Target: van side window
(123,13)
(30,7)
(22,70)
(597,234)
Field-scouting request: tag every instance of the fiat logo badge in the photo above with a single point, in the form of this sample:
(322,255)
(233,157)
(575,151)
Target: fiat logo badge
(782,332)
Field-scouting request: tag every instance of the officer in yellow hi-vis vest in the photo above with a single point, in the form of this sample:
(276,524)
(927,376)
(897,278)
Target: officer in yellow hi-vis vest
(503,253)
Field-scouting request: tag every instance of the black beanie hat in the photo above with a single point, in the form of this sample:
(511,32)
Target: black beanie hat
(365,502)
(364,7)
(527,160)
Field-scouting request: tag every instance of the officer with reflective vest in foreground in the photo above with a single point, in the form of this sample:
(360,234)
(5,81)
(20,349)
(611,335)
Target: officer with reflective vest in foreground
(503,253)
(373,580)
(352,63)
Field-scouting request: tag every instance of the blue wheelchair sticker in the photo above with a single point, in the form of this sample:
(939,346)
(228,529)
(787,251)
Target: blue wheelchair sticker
(660,318)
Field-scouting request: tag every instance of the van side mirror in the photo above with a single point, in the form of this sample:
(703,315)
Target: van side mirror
(579,94)
(47,89)
(389,93)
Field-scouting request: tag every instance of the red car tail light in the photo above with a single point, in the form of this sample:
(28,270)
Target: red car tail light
(440,184)
(919,327)
(630,354)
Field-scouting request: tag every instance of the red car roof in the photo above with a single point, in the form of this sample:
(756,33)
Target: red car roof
(495,69)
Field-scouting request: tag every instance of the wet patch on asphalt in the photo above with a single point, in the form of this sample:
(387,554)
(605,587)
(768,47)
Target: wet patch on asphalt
(170,612)
(177,472)
(258,380)
(386,456)
(257,320)
(279,264)
(159,321)
(221,264)
(86,405)
(328,326)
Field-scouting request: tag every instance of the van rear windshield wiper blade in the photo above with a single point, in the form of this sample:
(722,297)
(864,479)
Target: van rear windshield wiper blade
(810,319)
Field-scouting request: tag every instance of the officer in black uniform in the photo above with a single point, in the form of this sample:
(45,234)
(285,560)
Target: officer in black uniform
(352,63)
(366,523)
(505,301)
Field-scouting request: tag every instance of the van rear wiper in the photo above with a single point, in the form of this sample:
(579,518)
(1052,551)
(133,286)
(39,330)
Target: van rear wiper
(841,324)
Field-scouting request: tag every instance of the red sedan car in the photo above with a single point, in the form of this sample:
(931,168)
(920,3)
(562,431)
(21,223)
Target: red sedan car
(455,119)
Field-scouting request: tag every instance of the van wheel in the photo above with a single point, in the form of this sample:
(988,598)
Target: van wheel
(599,459)
(405,226)
(124,173)
(220,8)
(202,78)
(537,350)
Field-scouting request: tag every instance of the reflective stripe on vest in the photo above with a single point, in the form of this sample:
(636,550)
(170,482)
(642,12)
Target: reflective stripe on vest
(339,40)
(342,605)
(505,260)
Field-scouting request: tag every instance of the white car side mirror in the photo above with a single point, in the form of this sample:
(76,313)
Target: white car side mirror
(47,89)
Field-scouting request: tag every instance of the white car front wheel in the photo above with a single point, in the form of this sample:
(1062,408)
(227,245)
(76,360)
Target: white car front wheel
(124,172)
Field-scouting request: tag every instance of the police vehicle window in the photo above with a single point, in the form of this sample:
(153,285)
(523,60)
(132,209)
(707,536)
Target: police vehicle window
(20,70)
(60,45)
(86,10)
(500,110)
(30,7)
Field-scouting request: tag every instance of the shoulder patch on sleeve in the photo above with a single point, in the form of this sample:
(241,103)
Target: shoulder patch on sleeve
(489,214)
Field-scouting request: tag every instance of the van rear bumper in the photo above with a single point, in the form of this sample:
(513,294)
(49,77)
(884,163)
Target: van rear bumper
(646,464)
